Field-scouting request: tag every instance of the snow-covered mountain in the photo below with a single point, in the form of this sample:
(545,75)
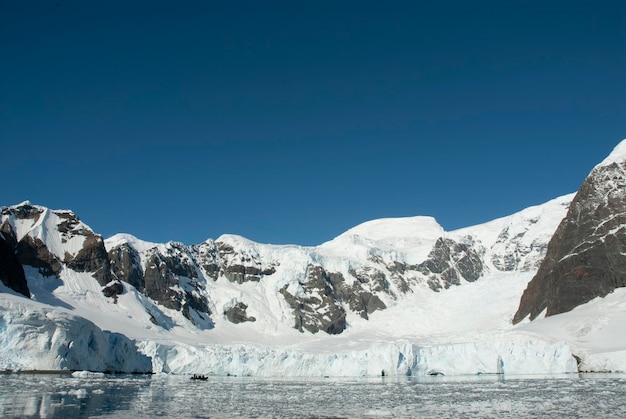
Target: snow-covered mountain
(396,295)
(369,268)
(586,257)
(232,290)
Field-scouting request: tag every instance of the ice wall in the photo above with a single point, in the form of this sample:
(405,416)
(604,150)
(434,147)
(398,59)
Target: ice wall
(507,353)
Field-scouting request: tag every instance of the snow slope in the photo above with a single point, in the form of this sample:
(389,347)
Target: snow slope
(595,331)
(618,155)
(519,241)
(409,238)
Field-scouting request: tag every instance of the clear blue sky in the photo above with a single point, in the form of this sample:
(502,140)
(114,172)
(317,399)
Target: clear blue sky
(290,122)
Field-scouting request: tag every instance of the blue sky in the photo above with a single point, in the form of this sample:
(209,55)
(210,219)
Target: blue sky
(290,122)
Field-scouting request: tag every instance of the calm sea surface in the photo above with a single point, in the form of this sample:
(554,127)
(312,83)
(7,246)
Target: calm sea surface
(63,396)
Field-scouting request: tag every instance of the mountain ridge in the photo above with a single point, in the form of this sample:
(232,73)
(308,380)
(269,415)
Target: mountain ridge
(363,270)
(400,295)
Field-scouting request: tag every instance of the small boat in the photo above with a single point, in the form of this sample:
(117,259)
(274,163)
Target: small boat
(199,377)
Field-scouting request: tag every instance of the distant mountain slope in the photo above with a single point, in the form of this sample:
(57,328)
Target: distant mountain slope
(586,258)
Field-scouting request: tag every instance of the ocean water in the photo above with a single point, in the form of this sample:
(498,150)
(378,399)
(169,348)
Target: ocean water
(128,396)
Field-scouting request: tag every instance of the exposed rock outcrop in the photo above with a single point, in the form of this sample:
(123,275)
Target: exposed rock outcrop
(29,250)
(316,306)
(33,252)
(362,297)
(11,270)
(93,258)
(450,261)
(240,266)
(237,314)
(586,257)
(126,265)
(206,255)
(515,255)
(163,280)
(168,274)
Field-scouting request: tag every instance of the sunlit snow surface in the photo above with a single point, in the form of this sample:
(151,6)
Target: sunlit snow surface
(49,396)
(617,155)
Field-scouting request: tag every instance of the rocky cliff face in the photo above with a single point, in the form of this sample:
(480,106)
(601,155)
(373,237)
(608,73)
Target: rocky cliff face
(29,250)
(586,258)
(450,262)
(55,240)
(312,289)
(11,270)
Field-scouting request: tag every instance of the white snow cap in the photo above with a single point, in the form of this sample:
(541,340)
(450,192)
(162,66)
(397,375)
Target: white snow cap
(121,238)
(388,228)
(235,239)
(617,155)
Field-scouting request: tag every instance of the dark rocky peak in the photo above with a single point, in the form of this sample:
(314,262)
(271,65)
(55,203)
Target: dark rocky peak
(28,250)
(586,257)
(66,222)
(51,240)
(24,211)
(10,216)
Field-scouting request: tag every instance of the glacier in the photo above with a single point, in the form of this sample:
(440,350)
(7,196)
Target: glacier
(514,354)
(36,336)
(437,338)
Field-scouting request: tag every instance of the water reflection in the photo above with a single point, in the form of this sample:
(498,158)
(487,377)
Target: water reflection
(61,395)
(51,396)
